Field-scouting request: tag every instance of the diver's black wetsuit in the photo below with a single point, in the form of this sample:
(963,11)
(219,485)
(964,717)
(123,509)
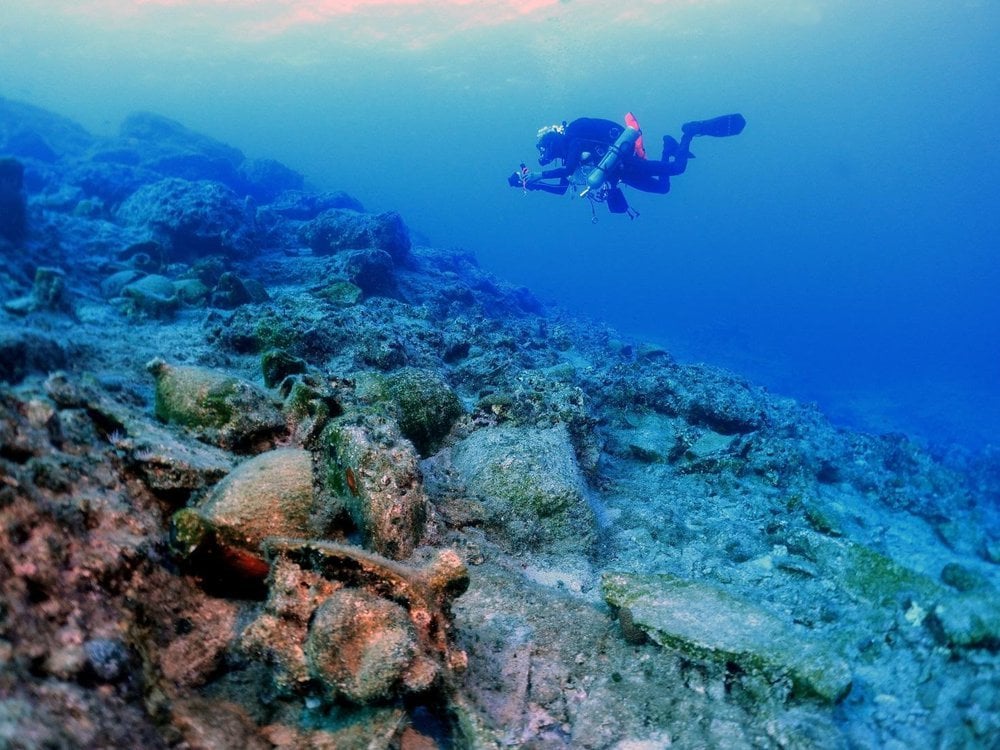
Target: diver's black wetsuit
(587,139)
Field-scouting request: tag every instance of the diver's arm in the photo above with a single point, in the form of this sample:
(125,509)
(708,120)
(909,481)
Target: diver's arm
(558,189)
(534,181)
(558,172)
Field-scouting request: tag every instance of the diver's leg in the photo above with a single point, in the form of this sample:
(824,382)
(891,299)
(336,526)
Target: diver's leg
(676,155)
(719,127)
(648,175)
(648,183)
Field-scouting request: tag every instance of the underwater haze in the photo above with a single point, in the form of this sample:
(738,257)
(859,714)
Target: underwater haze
(842,249)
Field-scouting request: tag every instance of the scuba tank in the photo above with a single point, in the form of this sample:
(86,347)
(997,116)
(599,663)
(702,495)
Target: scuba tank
(598,175)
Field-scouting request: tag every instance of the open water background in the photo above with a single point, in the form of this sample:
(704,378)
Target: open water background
(843,249)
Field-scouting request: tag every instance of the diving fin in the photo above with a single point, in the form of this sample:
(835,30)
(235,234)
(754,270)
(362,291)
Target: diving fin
(720,127)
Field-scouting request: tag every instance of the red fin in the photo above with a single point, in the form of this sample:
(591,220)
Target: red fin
(640,149)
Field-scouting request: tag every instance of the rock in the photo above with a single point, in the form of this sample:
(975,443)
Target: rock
(340,293)
(423,404)
(13,207)
(230,292)
(531,485)
(193,219)
(707,623)
(266,179)
(204,723)
(106,183)
(303,206)
(341,229)
(267,495)
(360,645)
(722,402)
(374,473)
(968,620)
(23,352)
(168,148)
(372,270)
(30,132)
(170,464)
(218,408)
(107,659)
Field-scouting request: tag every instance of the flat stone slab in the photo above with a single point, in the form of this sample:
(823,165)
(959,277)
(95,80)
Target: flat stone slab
(707,623)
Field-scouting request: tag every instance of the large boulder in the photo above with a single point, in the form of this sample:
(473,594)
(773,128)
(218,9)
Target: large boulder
(299,205)
(194,219)
(266,179)
(341,229)
(28,132)
(168,148)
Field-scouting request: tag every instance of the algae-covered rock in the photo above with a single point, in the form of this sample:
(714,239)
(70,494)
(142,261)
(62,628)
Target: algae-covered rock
(531,485)
(194,219)
(218,407)
(231,291)
(340,229)
(372,270)
(970,620)
(707,623)
(360,645)
(423,404)
(341,293)
(267,495)
(375,473)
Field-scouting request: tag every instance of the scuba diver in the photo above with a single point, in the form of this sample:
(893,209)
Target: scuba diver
(599,155)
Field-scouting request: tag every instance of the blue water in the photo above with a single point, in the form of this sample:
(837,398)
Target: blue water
(842,250)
